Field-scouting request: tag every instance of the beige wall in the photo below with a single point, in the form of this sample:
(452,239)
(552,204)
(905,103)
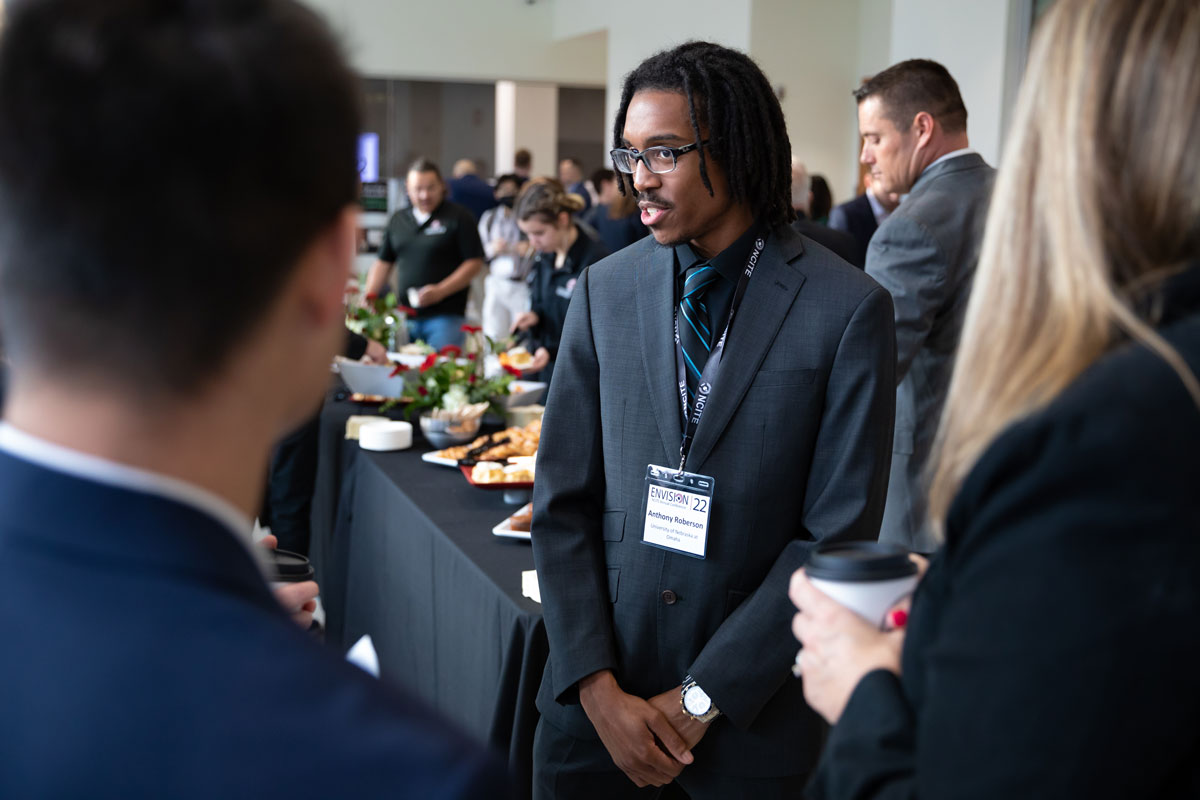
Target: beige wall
(816,50)
(972,40)
(809,49)
(724,21)
(527,116)
(463,40)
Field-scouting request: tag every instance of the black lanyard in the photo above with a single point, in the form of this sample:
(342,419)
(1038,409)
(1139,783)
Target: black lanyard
(713,365)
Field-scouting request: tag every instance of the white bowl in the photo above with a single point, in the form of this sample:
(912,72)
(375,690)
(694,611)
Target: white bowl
(370,378)
(522,393)
(520,416)
(442,433)
(409,360)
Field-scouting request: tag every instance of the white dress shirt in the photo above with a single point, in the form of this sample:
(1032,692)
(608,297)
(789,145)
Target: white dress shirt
(963,151)
(877,208)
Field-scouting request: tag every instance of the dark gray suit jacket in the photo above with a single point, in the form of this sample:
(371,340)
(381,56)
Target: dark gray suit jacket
(857,218)
(796,435)
(925,255)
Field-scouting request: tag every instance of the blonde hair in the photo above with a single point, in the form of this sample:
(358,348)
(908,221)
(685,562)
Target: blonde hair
(1096,203)
(546,198)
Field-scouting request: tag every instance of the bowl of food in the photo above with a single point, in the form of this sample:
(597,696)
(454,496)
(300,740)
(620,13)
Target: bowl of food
(520,416)
(371,379)
(443,432)
(520,393)
(518,357)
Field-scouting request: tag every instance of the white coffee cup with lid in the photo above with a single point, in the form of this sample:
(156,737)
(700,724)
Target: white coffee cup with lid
(868,578)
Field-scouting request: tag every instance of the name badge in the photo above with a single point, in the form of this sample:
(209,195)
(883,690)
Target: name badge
(676,508)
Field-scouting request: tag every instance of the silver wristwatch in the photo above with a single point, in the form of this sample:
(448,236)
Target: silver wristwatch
(696,703)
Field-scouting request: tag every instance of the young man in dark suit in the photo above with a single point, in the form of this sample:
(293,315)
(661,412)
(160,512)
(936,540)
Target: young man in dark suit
(177,223)
(669,653)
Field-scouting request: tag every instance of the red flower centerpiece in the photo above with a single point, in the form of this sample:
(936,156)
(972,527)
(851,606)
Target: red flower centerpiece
(376,317)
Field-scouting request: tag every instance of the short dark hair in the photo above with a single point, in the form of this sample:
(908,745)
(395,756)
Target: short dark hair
(602,175)
(163,166)
(423,164)
(510,177)
(729,94)
(822,197)
(523,159)
(913,86)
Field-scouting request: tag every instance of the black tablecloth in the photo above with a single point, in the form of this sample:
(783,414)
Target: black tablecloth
(404,552)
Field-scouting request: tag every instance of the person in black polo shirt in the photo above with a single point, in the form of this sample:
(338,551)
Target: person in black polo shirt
(546,214)
(436,251)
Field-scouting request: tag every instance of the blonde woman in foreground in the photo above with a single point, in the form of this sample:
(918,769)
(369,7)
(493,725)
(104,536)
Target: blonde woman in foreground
(1052,645)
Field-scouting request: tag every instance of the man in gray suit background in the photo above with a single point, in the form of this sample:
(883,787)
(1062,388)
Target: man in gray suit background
(669,624)
(914,128)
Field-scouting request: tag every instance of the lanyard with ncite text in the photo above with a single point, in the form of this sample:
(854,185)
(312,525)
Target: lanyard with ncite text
(712,366)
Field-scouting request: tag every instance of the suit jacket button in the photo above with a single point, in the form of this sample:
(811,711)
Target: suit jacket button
(669,597)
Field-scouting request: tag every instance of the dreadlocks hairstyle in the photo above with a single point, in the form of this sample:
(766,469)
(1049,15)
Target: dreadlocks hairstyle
(728,93)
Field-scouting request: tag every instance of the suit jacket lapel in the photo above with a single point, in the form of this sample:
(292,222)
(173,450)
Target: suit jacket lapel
(655,291)
(769,295)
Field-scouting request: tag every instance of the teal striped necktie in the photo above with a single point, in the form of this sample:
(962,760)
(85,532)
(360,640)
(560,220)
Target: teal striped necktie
(695,326)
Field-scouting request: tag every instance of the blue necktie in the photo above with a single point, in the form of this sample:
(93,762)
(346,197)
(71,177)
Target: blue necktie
(695,327)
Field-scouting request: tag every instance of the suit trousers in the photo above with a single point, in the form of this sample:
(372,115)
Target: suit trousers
(287,500)
(566,768)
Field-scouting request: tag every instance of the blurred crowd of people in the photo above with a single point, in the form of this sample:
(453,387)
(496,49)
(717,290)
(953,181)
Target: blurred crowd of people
(502,254)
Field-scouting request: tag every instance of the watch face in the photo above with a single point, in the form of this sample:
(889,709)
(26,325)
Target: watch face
(697,702)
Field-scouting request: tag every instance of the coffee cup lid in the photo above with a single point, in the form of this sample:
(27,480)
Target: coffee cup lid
(859,561)
(291,567)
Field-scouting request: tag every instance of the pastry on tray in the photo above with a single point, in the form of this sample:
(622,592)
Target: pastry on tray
(487,472)
(501,446)
(492,472)
(518,473)
(523,519)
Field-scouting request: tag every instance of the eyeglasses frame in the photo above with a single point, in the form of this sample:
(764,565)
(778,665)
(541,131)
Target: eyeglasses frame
(637,156)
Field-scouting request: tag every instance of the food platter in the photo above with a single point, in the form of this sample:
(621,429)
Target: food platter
(505,528)
(505,531)
(507,485)
(434,458)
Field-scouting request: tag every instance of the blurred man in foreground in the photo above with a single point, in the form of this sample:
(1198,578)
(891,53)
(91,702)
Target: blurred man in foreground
(157,350)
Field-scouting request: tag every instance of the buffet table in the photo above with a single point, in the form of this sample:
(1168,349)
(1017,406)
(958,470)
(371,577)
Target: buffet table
(404,551)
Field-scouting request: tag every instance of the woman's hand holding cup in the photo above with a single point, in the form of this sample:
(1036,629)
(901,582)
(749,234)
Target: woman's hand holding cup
(861,631)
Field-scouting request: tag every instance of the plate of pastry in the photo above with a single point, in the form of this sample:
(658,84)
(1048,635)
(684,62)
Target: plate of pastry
(501,446)
(436,458)
(494,475)
(517,525)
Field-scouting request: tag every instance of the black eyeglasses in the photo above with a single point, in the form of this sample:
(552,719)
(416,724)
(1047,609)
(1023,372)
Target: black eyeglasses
(659,160)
